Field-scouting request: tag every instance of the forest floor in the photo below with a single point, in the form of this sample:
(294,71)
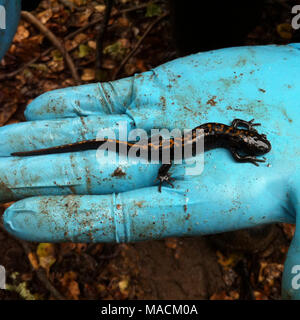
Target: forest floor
(186,268)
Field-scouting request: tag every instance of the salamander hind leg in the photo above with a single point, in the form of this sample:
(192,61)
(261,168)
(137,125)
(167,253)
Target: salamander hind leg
(164,176)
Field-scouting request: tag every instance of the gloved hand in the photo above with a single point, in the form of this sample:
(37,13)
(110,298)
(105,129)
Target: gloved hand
(90,200)
(9,19)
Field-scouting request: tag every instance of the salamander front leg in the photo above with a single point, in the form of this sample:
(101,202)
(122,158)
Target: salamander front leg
(246,124)
(251,159)
(164,176)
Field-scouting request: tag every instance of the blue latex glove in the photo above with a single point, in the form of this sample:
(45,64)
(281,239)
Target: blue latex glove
(218,86)
(11,11)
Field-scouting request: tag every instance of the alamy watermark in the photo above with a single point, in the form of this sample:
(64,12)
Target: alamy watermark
(296,18)
(163,147)
(2,17)
(2,277)
(296,278)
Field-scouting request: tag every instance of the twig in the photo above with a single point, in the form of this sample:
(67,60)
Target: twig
(133,51)
(69,36)
(101,36)
(39,272)
(33,20)
(12,74)
(96,21)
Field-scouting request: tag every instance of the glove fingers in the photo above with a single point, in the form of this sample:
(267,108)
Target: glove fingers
(103,218)
(72,173)
(27,136)
(86,100)
(142,214)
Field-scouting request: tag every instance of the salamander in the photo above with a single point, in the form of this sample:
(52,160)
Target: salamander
(240,138)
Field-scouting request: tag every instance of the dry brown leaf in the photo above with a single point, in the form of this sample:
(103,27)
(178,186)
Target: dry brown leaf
(79,2)
(45,16)
(67,277)
(269,272)
(37,39)
(21,34)
(285,30)
(46,255)
(108,64)
(70,284)
(124,22)
(124,286)
(88,75)
(84,16)
(70,45)
(101,288)
(74,290)
(92,44)
(260,296)
(171,243)
(33,260)
(233,295)
(140,65)
(56,66)
(289,230)
(100,8)
(227,262)
(81,37)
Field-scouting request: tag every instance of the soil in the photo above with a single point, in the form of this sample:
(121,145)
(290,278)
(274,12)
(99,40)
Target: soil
(186,268)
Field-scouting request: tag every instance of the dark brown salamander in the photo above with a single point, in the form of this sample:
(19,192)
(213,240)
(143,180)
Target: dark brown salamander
(244,143)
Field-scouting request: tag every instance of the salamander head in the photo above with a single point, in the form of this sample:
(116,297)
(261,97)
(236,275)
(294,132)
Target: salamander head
(256,144)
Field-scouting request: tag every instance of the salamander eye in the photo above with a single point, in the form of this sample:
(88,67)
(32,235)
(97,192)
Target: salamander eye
(264,136)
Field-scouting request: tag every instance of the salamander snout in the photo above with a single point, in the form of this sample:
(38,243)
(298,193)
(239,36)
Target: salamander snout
(259,144)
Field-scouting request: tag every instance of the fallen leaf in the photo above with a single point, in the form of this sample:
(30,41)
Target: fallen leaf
(74,290)
(229,261)
(84,51)
(39,66)
(100,8)
(70,284)
(88,75)
(140,65)
(124,22)
(21,34)
(223,295)
(45,16)
(289,230)
(92,44)
(68,276)
(118,49)
(79,38)
(124,287)
(33,260)
(260,296)
(56,65)
(46,255)
(171,243)
(285,30)
(153,10)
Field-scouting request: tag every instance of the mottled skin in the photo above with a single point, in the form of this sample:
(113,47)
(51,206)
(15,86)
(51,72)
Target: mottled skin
(245,144)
